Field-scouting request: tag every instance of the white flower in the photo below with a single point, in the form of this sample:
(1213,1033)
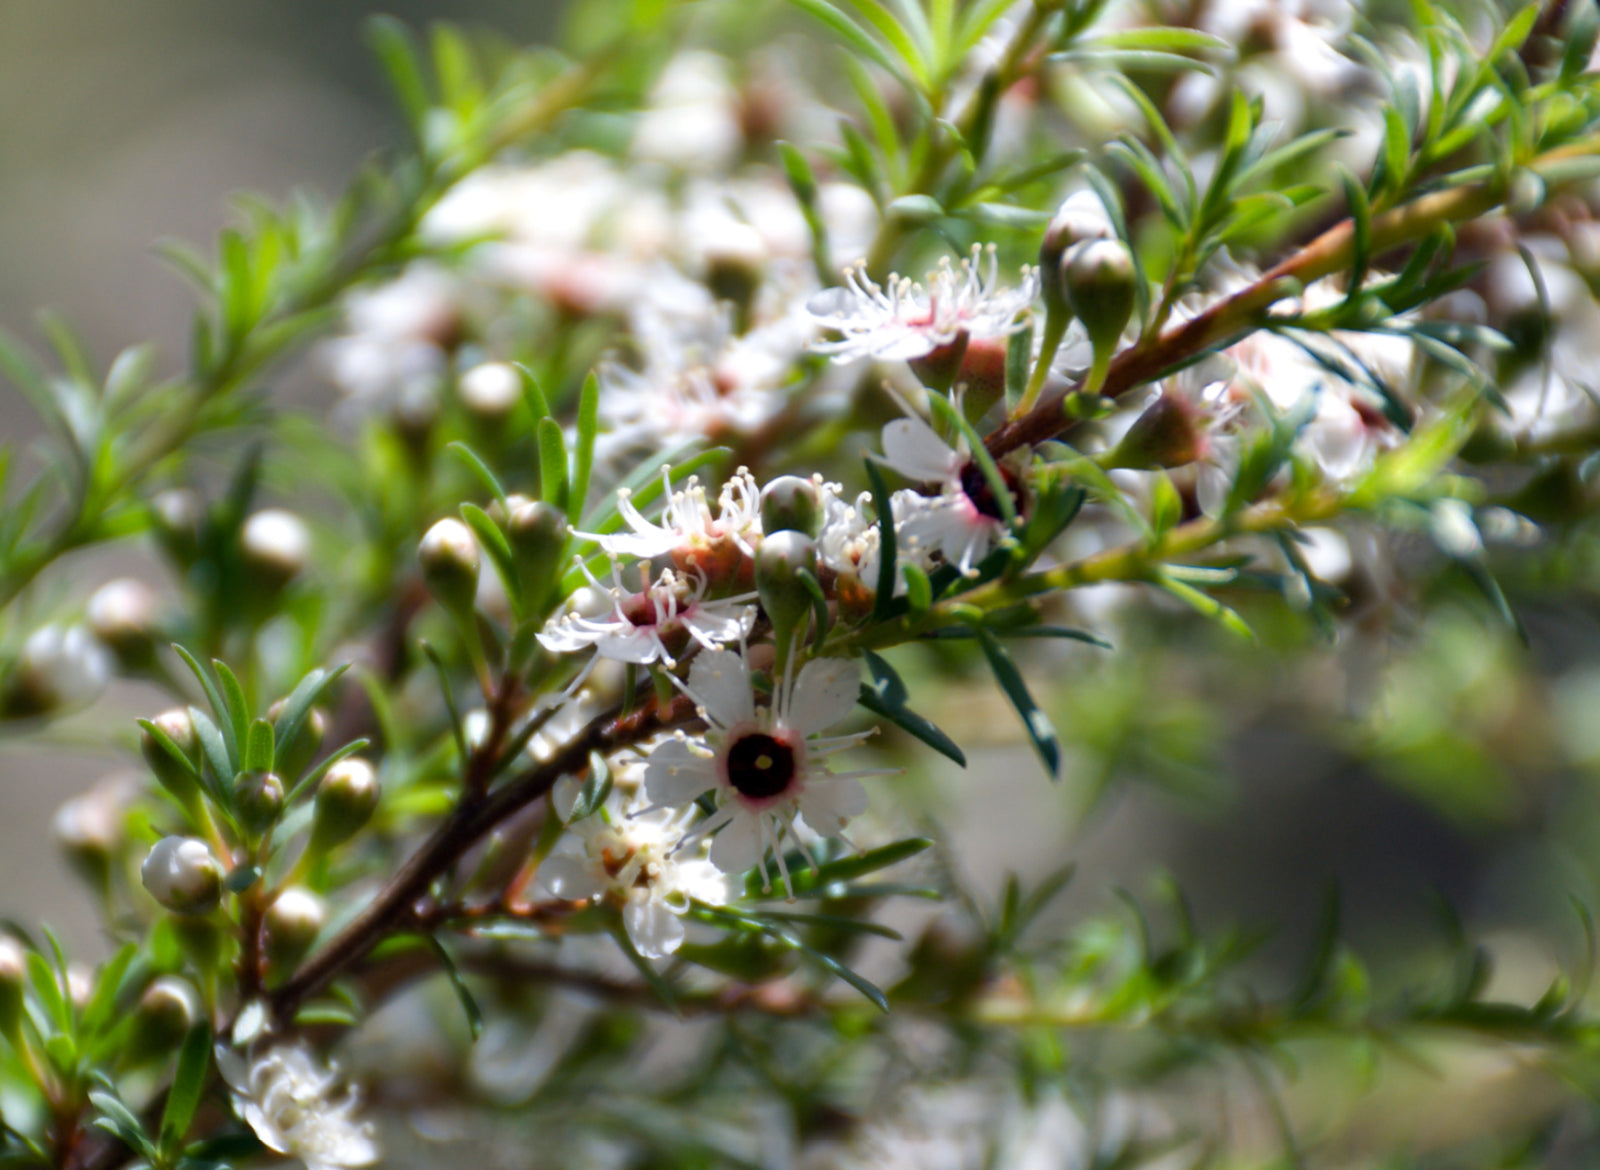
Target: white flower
(286,1096)
(766,765)
(714,546)
(649,626)
(964,521)
(906,321)
(630,854)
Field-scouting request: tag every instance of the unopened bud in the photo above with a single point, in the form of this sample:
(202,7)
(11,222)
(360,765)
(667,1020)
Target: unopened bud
(165,1013)
(258,800)
(178,515)
(347,795)
(791,503)
(1081,217)
(182,875)
(537,533)
(1167,434)
(13,981)
(178,726)
(59,667)
(1101,286)
(291,758)
(88,828)
(490,390)
(449,557)
(734,264)
(291,925)
(122,615)
(780,563)
(275,545)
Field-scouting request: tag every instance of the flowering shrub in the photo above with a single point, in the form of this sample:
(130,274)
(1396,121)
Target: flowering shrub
(727,418)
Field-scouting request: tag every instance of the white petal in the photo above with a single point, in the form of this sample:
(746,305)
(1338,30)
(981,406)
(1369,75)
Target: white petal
(719,680)
(570,877)
(824,694)
(703,882)
(828,806)
(674,774)
(738,847)
(653,929)
(912,448)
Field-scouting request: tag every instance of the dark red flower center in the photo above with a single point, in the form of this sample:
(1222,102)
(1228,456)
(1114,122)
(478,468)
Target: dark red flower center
(977,489)
(760,765)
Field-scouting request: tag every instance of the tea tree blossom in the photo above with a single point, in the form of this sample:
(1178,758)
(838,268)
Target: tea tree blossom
(965,520)
(631,855)
(695,539)
(906,320)
(653,625)
(286,1095)
(766,765)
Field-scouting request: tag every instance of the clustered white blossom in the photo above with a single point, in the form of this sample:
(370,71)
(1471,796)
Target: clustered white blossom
(289,1098)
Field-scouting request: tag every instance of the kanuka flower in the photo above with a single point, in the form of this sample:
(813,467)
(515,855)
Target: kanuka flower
(766,765)
(905,321)
(965,520)
(630,855)
(717,547)
(288,1097)
(653,625)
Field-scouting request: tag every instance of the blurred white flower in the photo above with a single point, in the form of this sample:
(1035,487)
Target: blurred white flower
(287,1096)
(632,854)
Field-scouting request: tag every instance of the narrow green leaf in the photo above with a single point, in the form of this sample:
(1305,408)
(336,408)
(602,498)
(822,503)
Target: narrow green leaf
(596,788)
(583,457)
(258,751)
(1203,603)
(820,881)
(852,33)
(886,696)
(397,52)
(214,747)
(297,707)
(1361,222)
(456,728)
(309,780)
(478,467)
(219,704)
(188,1085)
(119,1121)
(469,1005)
(1034,721)
(494,543)
(883,599)
(979,454)
(100,1012)
(553,481)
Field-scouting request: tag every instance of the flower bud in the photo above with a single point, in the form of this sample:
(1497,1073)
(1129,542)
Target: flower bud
(346,797)
(88,828)
(734,263)
(490,390)
(292,758)
(177,516)
(1167,434)
(275,545)
(784,595)
(1100,284)
(59,667)
(178,726)
(13,981)
(449,557)
(537,533)
(1081,217)
(791,504)
(291,925)
(165,1013)
(122,615)
(182,875)
(257,800)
